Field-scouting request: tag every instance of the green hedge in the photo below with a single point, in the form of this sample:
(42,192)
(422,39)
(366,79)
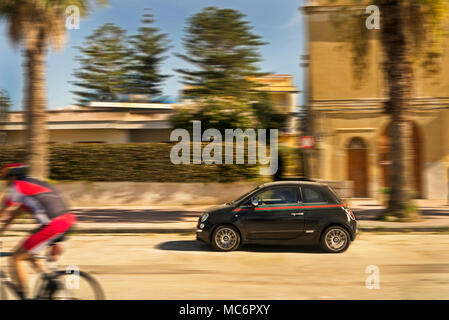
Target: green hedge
(128,162)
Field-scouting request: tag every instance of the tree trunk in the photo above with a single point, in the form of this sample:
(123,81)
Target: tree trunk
(399,81)
(35,105)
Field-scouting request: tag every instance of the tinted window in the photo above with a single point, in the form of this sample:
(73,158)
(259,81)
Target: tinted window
(335,197)
(278,196)
(313,195)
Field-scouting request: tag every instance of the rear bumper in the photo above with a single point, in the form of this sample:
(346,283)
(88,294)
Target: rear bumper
(355,230)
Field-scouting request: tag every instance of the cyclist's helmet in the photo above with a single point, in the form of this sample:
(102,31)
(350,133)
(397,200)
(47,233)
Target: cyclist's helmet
(13,169)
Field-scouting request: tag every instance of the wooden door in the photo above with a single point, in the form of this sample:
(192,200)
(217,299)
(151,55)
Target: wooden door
(357,168)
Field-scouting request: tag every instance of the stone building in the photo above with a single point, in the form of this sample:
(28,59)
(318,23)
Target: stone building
(349,124)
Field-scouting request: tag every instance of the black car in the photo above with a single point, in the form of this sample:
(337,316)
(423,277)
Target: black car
(294,212)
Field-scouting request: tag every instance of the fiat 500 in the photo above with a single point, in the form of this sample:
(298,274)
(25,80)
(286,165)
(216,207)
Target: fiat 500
(293,212)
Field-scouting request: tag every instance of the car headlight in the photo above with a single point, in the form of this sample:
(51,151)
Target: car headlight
(204,217)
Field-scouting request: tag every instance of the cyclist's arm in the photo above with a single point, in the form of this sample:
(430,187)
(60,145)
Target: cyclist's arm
(7,215)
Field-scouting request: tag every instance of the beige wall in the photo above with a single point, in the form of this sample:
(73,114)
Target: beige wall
(103,135)
(90,115)
(99,135)
(157,135)
(15,138)
(331,69)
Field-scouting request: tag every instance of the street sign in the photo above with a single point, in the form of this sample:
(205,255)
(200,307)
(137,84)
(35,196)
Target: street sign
(307,142)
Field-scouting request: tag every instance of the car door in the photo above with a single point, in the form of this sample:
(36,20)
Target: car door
(317,209)
(277,217)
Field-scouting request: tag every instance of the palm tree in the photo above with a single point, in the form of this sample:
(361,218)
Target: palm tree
(411,36)
(34,25)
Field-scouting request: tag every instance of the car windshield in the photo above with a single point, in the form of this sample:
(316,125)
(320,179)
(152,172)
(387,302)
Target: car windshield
(245,195)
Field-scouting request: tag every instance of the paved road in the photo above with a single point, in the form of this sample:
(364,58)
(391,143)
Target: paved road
(157,266)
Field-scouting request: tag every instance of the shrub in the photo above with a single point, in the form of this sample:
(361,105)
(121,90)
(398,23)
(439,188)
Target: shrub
(128,162)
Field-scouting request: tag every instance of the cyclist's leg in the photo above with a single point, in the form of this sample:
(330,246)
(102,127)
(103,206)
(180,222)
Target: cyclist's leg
(32,245)
(35,264)
(55,249)
(18,271)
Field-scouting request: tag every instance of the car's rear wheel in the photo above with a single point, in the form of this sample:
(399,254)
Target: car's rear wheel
(226,238)
(335,239)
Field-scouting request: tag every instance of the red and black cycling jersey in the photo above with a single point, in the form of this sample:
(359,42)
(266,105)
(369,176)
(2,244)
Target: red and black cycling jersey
(37,197)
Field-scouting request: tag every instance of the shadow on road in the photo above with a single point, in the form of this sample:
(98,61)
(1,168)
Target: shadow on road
(193,245)
(279,248)
(184,245)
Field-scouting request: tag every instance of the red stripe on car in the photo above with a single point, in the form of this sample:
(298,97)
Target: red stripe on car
(295,207)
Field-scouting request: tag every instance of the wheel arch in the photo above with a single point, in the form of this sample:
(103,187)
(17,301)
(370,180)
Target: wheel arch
(336,225)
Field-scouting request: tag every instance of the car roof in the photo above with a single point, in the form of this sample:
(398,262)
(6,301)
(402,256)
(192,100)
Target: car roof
(282,183)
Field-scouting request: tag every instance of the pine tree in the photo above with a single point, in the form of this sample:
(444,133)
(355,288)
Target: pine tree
(103,65)
(223,49)
(148,47)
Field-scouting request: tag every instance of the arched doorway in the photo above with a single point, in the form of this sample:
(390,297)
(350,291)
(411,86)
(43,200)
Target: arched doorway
(356,155)
(385,158)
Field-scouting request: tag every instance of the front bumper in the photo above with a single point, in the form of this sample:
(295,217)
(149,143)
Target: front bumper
(204,234)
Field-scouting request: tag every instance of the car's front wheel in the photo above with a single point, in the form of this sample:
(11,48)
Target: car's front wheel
(225,238)
(335,239)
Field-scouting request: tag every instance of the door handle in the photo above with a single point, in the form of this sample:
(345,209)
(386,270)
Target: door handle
(297,214)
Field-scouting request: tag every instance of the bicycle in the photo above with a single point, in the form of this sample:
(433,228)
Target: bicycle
(55,284)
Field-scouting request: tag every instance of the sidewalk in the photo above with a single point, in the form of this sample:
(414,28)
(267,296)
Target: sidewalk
(183,219)
(435,217)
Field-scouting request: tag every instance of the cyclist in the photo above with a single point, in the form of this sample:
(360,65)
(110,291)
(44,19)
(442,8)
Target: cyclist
(47,207)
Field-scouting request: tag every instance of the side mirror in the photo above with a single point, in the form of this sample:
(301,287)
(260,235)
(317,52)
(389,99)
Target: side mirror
(255,201)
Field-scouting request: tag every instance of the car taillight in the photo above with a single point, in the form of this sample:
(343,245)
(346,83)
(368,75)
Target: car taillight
(350,213)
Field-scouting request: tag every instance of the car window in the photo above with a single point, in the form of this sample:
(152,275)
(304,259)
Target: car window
(278,196)
(313,195)
(334,196)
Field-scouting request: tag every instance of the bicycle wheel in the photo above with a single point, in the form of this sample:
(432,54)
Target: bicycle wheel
(69,286)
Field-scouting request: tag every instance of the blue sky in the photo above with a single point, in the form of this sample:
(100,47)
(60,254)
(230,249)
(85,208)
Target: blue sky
(278,22)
